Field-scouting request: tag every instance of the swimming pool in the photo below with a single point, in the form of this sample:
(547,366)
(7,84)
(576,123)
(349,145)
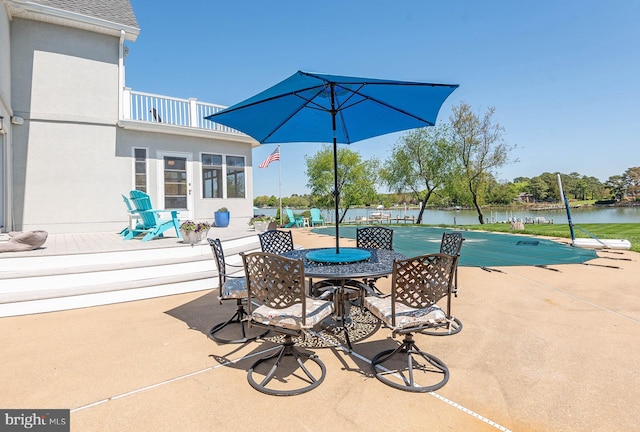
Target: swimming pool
(480,249)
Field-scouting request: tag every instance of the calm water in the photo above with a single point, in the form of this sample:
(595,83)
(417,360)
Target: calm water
(469,217)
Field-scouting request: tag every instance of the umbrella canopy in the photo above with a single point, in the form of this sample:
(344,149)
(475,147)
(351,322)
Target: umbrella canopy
(310,107)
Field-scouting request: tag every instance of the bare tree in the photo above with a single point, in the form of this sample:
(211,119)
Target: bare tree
(480,148)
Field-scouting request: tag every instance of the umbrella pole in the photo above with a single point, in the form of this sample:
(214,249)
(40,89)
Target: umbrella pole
(336,192)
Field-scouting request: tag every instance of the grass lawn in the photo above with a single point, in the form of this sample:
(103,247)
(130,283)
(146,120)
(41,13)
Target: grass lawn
(626,231)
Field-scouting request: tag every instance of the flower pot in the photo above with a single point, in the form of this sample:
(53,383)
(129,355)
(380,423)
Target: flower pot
(221,219)
(193,237)
(260,226)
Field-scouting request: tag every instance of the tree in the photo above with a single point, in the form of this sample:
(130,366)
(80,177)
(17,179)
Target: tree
(260,201)
(593,188)
(480,149)
(617,186)
(421,162)
(356,179)
(632,182)
(538,188)
(501,193)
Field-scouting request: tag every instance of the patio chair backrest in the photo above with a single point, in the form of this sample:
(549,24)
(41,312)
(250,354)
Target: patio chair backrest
(420,282)
(274,281)
(142,201)
(316,216)
(451,243)
(290,215)
(127,203)
(374,238)
(276,241)
(218,254)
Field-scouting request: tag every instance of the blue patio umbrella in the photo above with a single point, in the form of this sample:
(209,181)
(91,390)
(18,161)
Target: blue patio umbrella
(311,107)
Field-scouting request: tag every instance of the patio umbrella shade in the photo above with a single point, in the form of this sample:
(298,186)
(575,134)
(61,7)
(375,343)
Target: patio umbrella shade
(310,107)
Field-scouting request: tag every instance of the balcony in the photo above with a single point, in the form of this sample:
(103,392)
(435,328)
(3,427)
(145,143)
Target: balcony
(152,108)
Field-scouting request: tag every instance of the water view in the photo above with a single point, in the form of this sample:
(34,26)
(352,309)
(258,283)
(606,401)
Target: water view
(470,217)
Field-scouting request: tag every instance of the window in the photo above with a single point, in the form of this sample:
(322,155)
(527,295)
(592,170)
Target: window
(175,182)
(140,156)
(211,176)
(235,177)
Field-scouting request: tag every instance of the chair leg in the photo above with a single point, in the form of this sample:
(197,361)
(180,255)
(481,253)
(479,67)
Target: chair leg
(455,283)
(285,350)
(405,368)
(239,320)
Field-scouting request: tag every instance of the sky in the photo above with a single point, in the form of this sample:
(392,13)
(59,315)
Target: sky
(563,76)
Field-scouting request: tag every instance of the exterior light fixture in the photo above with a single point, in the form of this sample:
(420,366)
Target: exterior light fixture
(1,123)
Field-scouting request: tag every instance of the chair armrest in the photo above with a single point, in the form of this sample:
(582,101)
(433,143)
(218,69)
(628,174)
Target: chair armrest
(174,213)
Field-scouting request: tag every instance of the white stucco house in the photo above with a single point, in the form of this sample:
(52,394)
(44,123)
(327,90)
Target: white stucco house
(74,138)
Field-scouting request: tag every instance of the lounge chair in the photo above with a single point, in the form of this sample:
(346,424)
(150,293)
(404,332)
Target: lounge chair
(151,224)
(316,217)
(293,219)
(131,212)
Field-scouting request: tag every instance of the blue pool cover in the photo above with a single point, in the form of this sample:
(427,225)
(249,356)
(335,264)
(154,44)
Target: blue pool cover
(481,249)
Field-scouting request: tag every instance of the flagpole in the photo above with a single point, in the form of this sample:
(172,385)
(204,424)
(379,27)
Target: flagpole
(280,183)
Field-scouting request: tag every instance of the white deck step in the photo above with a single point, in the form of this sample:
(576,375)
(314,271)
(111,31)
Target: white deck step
(44,284)
(104,298)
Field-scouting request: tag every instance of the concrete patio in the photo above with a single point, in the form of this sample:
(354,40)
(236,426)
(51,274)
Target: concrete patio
(540,350)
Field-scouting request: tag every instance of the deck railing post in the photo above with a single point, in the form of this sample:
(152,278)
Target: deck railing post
(126,104)
(193,112)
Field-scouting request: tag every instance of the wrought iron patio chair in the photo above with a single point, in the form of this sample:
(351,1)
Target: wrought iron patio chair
(374,237)
(277,284)
(276,241)
(417,285)
(232,287)
(451,244)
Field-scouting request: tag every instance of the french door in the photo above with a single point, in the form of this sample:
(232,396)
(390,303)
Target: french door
(176,182)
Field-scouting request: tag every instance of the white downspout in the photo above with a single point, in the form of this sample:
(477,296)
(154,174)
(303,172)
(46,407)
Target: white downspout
(7,192)
(121,83)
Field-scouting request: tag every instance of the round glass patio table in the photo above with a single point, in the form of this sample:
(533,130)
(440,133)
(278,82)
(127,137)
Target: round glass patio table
(377,263)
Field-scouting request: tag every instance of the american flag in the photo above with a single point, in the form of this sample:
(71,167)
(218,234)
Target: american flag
(274,156)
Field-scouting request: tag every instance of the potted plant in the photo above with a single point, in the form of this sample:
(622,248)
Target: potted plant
(260,223)
(221,217)
(194,232)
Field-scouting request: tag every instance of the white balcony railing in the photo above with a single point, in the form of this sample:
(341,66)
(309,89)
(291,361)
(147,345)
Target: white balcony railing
(148,107)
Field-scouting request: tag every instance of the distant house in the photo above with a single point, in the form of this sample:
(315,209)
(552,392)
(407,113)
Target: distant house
(525,197)
(74,138)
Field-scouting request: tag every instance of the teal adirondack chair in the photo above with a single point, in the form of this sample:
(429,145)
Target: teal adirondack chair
(132,215)
(293,219)
(151,225)
(316,217)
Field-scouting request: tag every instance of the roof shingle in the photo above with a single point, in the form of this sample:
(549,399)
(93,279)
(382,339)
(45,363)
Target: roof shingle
(117,11)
